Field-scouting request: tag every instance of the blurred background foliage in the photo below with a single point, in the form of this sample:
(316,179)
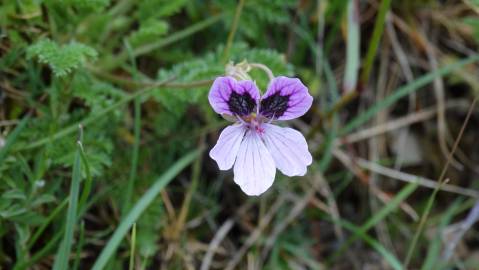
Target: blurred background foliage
(392,82)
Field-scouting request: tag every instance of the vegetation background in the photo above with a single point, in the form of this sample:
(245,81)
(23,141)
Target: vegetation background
(105,130)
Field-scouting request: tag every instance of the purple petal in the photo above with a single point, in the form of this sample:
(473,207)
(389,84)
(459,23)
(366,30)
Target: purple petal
(228,96)
(285,99)
(288,148)
(226,149)
(254,168)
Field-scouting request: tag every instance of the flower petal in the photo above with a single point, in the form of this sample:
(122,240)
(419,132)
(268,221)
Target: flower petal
(288,148)
(226,149)
(228,96)
(285,99)
(254,168)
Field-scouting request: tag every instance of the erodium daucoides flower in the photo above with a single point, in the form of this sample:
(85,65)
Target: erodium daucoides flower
(254,145)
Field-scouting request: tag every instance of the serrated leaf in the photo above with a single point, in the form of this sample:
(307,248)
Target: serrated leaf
(61,59)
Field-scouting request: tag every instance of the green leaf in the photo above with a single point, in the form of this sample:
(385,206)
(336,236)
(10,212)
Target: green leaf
(12,138)
(61,59)
(89,5)
(159,8)
(148,32)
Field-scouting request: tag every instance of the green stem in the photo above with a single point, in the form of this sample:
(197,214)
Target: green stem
(134,159)
(376,38)
(234,27)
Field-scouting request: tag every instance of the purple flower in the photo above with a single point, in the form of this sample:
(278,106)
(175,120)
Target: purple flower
(254,145)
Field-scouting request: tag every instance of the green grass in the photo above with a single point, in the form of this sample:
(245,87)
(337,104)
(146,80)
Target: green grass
(63,254)
(140,206)
(140,190)
(392,205)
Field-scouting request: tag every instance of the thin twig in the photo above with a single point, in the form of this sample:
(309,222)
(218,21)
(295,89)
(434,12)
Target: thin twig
(441,181)
(5,123)
(255,235)
(214,244)
(391,125)
(439,93)
(405,177)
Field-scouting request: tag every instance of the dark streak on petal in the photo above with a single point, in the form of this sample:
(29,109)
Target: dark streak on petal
(241,104)
(274,105)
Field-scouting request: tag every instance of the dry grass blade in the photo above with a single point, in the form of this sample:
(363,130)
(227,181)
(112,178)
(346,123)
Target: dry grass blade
(398,123)
(256,234)
(441,181)
(405,177)
(214,244)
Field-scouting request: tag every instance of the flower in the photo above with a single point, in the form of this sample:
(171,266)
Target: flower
(253,145)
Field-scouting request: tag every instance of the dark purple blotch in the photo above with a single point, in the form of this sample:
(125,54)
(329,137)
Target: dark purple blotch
(274,105)
(241,104)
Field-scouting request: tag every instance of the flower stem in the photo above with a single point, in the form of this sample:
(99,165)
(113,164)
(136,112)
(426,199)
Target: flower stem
(264,68)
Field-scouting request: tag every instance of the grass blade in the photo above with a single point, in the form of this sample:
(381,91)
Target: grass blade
(61,259)
(352,49)
(140,207)
(441,181)
(234,27)
(165,41)
(404,91)
(81,242)
(388,256)
(12,138)
(380,215)
(132,248)
(47,222)
(134,158)
(88,181)
(375,39)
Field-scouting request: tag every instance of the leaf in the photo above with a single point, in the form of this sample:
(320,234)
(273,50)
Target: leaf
(159,8)
(89,5)
(149,31)
(61,59)
(14,194)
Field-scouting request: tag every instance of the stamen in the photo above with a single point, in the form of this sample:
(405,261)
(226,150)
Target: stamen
(241,120)
(271,119)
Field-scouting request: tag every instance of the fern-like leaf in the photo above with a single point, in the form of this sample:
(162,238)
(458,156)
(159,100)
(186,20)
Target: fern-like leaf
(61,59)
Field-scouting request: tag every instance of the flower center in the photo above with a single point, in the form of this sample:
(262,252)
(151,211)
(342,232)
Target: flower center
(254,122)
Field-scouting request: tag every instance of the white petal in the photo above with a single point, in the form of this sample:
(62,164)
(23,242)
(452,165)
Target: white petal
(254,168)
(227,147)
(288,148)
